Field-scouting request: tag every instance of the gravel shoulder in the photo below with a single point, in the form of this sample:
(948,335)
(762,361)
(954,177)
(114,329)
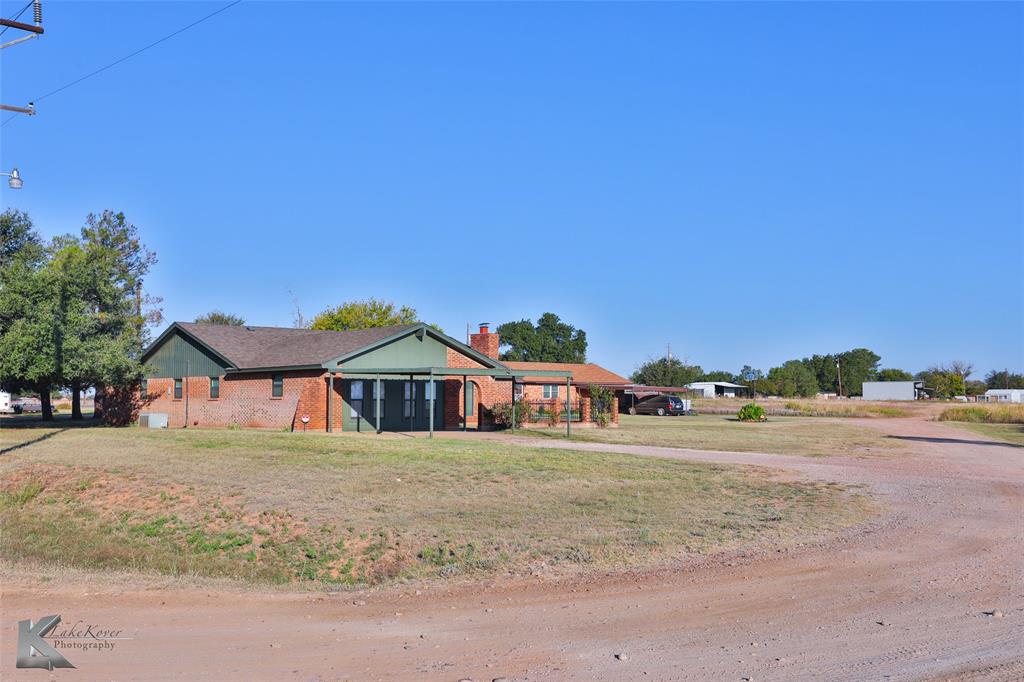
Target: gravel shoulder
(905,598)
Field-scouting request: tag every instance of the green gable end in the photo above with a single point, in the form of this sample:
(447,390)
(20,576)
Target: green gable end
(178,356)
(414,350)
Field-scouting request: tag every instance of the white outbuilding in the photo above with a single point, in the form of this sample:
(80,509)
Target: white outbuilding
(1005,395)
(718,389)
(893,390)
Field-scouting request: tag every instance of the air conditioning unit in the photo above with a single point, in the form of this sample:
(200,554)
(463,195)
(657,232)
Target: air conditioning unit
(153,420)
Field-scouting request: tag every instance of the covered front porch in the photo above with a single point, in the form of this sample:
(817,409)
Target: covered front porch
(415,399)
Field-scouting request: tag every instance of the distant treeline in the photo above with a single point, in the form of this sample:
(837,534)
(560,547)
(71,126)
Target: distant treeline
(807,377)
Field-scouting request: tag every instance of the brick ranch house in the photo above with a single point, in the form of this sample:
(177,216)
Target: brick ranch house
(400,378)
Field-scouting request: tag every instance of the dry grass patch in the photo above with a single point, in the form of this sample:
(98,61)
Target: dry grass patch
(984,414)
(291,508)
(779,435)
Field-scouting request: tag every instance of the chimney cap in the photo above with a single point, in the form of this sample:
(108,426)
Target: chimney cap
(484,326)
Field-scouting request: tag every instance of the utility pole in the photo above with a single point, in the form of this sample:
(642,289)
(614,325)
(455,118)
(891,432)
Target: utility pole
(34,29)
(839,371)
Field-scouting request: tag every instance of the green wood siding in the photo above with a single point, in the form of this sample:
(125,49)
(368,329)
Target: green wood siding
(409,351)
(177,356)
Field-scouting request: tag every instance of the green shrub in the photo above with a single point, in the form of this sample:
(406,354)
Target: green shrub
(602,402)
(751,413)
(503,414)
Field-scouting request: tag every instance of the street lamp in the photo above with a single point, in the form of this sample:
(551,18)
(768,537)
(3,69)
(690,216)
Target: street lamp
(15,181)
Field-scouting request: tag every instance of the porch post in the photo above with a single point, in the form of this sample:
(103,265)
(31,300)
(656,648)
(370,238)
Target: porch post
(330,402)
(513,404)
(412,403)
(465,401)
(568,408)
(432,397)
(376,398)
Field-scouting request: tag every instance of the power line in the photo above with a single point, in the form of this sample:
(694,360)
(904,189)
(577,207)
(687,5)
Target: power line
(16,17)
(129,56)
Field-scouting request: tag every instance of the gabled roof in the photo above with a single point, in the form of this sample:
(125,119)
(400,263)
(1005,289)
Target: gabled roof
(248,347)
(582,373)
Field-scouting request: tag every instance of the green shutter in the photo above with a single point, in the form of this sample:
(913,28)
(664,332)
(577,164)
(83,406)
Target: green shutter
(470,399)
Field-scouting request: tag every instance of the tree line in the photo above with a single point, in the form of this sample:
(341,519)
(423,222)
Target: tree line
(74,313)
(841,373)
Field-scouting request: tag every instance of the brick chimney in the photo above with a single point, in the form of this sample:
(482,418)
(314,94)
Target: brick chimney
(485,342)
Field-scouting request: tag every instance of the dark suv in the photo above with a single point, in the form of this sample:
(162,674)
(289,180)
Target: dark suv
(660,405)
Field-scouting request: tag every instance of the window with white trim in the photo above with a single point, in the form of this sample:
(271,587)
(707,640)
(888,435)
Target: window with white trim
(550,391)
(355,399)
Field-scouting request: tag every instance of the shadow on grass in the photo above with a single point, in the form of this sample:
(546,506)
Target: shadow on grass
(25,444)
(35,421)
(961,441)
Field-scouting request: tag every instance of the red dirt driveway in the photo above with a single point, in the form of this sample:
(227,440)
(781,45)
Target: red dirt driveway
(932,591)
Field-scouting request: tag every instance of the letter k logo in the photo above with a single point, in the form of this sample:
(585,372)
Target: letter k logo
(36,652)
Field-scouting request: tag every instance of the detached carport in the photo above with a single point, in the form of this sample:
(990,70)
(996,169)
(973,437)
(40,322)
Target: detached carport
(431,375)
(638,392)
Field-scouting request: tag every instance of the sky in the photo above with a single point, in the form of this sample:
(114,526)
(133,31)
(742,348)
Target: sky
(749,183)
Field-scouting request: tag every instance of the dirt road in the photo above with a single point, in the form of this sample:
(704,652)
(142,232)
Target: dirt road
(905,599)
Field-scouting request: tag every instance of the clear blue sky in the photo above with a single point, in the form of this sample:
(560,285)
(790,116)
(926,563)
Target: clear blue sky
(748,182)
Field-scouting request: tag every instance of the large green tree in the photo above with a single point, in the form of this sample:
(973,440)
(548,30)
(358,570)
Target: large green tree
(117,297)
(855,367)
(718,375)
(793,378)
(73,314)
(364,315)
(947,381)
(1004,379)
(18,239)
(892,374)
(550,340)
(220,317)
(668,371)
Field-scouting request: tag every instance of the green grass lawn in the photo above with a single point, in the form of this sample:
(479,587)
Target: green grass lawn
(1009,433)
(810,436)
(265,507)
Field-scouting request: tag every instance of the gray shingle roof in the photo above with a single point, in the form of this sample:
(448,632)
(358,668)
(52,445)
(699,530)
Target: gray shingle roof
(249,347)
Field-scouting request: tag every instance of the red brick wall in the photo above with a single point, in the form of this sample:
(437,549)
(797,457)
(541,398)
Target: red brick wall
(490,392)
(486,343)
(245,400)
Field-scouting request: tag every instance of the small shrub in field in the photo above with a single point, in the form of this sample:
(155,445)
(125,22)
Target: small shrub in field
(994,414)
(751,413)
